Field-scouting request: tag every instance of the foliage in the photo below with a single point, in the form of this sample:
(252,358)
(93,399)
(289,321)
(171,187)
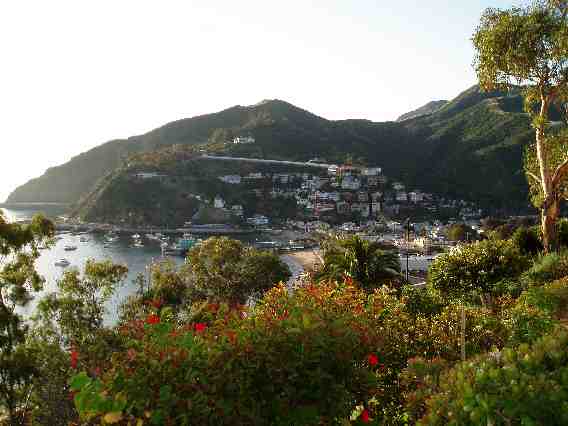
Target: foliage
(525,385)
(546,268)
(303,358)
(225,270)
(529,46)
(537,311)
(69,333)
(476,268)
(527,240)
(419,301)
(19,248)
(289,364)
(76,312)
(461,232)
(369,264)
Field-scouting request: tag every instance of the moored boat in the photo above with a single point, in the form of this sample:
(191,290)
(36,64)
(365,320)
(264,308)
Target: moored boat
(62,262)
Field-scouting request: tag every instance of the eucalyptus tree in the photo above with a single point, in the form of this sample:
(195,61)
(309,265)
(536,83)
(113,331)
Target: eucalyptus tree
(528,47)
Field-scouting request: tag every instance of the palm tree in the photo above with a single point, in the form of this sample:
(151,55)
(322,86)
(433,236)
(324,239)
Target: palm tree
(367,263)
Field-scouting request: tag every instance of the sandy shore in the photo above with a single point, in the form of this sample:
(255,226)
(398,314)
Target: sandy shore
(306,258)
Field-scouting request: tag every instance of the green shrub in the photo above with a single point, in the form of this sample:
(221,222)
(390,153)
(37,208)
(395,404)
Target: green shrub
(528,240)
(419,301)
(536,310)
(547,268)
(476,268)
(562,229)
(527,385)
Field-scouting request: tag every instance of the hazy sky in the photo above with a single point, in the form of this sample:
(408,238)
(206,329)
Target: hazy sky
(74,74)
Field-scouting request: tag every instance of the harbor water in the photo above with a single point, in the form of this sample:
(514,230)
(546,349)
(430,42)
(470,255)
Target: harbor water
(137,259)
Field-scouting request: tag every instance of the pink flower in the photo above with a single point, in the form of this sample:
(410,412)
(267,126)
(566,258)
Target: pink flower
(364,416)
(373,359)
(153,319)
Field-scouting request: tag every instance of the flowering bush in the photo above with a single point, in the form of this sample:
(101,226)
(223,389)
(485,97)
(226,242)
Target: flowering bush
(289,362)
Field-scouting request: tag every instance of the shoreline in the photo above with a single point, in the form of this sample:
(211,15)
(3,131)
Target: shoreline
(307,259)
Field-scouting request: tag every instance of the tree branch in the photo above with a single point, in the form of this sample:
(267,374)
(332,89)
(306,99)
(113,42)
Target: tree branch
(535,177)
(559,173)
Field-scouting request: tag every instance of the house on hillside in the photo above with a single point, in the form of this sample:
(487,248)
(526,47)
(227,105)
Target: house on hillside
(401,196)
(149,175)
(371,171)
(416,196)
(237,210)
(350,182)
(239,140)
(257,220)
(218,202)
(231,179)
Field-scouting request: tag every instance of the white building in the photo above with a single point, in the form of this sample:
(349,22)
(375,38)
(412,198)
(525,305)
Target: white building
(416,196)
(371,171)
(237,210)
(243,140)
(257,175)
(258,220)
(401,196)
(218,202)
(148,175)
(350,182)
(231,179)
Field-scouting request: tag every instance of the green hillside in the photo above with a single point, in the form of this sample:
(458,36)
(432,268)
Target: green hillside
(468,148)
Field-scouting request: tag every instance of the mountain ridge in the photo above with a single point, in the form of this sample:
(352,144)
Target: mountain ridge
(474,130)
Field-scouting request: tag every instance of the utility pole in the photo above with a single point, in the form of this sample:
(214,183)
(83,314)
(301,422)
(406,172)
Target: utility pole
(407,245)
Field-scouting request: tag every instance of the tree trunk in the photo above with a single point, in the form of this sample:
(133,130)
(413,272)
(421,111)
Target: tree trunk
(549,210)
(549,216)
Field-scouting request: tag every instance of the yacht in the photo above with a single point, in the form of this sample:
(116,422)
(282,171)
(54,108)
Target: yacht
(70,248)
(62,262)
(136,236)
(137,244)
(83,239)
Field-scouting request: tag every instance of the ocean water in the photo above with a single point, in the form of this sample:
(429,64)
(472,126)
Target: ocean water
(136,259)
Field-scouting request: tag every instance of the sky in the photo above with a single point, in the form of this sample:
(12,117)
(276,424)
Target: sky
(75,74)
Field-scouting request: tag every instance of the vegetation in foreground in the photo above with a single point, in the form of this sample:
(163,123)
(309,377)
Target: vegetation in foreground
(356,346)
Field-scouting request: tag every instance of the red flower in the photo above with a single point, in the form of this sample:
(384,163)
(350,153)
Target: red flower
(156,303)
(364,416)
(153,319)
(373,359)
(74,358)
(200,327)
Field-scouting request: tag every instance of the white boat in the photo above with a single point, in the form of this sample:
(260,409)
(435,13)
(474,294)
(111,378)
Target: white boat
(136,236)
(62,262)
(137,244)
(83,239)
(70,248)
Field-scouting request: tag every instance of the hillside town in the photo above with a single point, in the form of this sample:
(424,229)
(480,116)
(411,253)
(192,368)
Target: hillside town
(352,199)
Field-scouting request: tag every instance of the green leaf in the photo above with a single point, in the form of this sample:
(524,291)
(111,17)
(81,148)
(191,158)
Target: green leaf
(79,381)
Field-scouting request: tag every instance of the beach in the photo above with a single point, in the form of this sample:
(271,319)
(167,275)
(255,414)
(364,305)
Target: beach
(308,258)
